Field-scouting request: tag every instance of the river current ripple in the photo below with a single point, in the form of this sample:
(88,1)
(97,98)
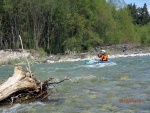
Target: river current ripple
(120,86)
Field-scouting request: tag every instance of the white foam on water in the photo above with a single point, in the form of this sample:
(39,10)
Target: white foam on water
(84,77)
(21,107)
(11,109)
(128,55)
(67,68)
(100,65)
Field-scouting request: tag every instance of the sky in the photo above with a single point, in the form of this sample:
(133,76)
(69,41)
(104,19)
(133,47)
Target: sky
(139,3)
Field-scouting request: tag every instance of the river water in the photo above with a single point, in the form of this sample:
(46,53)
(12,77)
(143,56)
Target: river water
(121,86)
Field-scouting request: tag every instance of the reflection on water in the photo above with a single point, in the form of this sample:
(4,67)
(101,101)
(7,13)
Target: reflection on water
(122,86)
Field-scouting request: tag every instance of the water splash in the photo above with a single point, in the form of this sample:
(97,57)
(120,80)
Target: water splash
(100,65)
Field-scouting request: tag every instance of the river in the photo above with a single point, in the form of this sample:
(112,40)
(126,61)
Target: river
(121,86)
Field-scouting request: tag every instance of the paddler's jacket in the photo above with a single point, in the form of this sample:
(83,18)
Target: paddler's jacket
(103,57)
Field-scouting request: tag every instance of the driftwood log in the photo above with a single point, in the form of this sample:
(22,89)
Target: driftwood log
(23,86)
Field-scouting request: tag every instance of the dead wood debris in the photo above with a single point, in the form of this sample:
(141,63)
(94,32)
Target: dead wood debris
(23,86)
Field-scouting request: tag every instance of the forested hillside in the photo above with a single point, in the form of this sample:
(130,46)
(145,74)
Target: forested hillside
(77,25)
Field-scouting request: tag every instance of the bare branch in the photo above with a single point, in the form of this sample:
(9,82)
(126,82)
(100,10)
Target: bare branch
(28,68)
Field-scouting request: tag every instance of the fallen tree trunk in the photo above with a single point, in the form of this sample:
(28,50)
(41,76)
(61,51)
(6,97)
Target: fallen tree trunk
(23,86)
(19,81)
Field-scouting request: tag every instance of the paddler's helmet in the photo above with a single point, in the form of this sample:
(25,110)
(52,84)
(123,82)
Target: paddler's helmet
(103,51)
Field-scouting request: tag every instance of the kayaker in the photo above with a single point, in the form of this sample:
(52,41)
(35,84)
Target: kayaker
(103,56)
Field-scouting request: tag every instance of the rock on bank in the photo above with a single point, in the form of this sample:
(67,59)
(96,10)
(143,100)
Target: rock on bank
(6,55)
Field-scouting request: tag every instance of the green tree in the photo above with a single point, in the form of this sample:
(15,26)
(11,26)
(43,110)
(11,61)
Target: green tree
(145,15)
(56,26)
(133,11)
(140,15)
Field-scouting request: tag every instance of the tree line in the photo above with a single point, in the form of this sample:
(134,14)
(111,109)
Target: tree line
(140,15)
(76,25)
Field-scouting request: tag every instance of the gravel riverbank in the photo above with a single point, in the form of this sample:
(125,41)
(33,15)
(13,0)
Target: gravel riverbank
(9,57)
